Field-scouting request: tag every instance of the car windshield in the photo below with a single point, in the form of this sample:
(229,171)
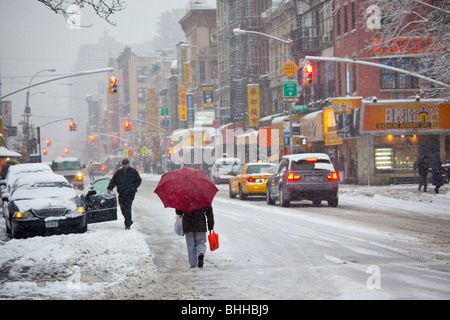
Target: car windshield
(100,186)
(312,164)
(67,165)
(269,168)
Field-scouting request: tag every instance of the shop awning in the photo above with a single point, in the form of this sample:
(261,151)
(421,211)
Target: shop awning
(8,153)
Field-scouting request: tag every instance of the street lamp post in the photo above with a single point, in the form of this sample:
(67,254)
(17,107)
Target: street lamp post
(28,109)
(239,31)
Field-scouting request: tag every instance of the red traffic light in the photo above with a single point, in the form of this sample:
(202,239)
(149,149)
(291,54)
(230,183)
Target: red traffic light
(48,142)
(308,74)
(127,125)
(112,85)
(66,150)
(91,138)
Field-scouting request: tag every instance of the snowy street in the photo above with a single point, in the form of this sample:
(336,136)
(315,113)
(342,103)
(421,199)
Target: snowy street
(381,242)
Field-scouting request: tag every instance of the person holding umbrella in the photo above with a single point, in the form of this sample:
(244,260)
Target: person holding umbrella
(127,180)
(194,228)
(190,192)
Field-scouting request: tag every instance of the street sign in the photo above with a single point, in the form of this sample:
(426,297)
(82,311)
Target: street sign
(289,69)
(299,108)
(290,89)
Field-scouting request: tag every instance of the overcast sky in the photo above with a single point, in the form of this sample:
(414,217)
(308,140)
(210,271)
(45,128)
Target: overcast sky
(33,38)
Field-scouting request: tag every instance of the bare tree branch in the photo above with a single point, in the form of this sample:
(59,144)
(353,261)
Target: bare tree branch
(104,9)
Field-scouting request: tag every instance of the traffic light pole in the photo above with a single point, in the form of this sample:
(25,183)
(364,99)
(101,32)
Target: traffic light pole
(38,132)
(377,65)
(76,74)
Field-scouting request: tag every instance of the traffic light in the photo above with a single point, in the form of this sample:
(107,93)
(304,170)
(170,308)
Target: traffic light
(66,150)
(44,151)
(308,74)
(112,85)
(72,126)
(48,143)
(127,126)
(91,138)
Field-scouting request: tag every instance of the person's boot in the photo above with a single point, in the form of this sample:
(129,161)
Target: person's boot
(200,260)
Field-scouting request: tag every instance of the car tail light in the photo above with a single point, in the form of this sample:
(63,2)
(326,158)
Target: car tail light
(292,177)
(250,179)
(333,176)
(311,160)
(102,168)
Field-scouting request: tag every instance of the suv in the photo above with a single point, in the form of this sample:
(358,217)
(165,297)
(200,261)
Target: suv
(70,168)
(223,169)
(307,176)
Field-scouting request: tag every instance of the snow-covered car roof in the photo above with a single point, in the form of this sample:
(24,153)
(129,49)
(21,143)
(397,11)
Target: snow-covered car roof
(227,161)
(64,159)
(40,178)
(303,156)
(28,167)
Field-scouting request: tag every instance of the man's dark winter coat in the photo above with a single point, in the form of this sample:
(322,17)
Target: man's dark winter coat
(126,180)
(195,221)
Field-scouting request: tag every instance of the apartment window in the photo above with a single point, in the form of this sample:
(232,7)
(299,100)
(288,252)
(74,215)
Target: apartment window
(345,19)
(394,80)
(202,72)
(212,37)
(338,22)
(353,5)
(354,78)
(142,95)
(143,74)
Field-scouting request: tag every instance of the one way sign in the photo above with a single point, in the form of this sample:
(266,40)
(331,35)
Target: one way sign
(290,89)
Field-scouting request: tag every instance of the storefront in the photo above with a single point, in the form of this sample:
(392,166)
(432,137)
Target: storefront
(395,133)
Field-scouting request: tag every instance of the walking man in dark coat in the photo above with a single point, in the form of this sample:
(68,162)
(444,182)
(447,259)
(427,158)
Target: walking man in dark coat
(422,168)
(127,180)
(194,228)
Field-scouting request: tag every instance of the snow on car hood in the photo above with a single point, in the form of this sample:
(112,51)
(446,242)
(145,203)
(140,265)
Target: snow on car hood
(41,198)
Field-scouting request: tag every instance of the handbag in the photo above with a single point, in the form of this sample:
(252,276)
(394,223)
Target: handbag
(213,239)
(178,226)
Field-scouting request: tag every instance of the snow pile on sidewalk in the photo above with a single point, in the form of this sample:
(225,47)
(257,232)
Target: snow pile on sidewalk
(74,265)
(399,197)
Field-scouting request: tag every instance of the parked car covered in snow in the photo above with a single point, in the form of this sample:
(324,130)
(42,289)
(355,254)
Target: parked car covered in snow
(18,170)
(43,204)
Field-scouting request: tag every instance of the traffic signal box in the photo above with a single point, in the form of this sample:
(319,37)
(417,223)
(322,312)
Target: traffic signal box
(308,74)
(72,126)
(112,85)
(127,126)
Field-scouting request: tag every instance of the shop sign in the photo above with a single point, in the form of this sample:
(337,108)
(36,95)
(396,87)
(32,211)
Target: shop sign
(420,116)
(208,96)
(253,105)
(311,126)
(347,116)
(183,107)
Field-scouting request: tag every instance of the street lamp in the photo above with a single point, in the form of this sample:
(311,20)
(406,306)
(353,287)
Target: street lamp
(28,109)
(239,31)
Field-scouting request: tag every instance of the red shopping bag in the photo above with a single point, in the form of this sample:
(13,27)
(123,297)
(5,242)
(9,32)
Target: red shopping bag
(213,239)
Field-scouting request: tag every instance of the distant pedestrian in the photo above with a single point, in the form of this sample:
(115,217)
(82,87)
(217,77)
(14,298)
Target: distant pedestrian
(91,171)
(127,180)
(422,168)
(195,225)
(437,178)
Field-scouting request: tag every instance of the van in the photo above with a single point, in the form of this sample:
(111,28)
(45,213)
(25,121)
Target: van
(71,169)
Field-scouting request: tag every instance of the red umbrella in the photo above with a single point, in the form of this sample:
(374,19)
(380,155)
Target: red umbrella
(186,189)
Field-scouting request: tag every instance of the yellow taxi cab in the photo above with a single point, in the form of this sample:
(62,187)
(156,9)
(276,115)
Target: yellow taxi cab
(251,179)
